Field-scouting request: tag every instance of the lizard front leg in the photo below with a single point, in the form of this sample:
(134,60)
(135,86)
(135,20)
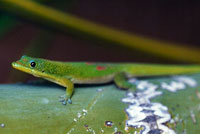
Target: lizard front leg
(69,90)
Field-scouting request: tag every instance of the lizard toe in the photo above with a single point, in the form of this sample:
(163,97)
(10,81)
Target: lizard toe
(69,101)
(64,103)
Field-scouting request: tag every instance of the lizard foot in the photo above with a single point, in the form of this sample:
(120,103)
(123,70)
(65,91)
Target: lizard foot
(132,89)
(65,100)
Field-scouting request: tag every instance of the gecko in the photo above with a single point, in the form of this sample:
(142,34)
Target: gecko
(69,73)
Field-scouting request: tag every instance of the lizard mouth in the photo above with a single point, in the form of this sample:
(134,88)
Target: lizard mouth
(19,66)
(16,65)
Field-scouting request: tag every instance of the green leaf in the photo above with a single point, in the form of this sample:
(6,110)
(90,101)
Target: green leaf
(34,108)
(184,106)
(31,108)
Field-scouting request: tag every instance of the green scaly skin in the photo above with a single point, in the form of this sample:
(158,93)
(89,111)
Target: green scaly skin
(69,73)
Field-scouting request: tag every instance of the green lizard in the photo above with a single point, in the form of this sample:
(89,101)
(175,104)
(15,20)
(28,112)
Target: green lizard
(69,73)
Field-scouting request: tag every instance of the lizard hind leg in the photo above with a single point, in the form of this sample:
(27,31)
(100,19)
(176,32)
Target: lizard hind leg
(121,81)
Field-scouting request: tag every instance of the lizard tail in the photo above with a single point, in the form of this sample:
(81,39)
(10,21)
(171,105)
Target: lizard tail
(156,69)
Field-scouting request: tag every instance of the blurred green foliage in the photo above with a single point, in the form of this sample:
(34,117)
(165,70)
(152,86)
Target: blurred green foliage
(68,23)
(6,24)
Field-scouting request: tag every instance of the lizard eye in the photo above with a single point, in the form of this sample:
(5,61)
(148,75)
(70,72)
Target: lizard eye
(33,64)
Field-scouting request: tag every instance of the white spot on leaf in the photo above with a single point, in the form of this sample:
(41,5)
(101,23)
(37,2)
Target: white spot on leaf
(179,83)
(2,125)
(143,113)
(45,101)
(85,111)
(187,80)
(173,86)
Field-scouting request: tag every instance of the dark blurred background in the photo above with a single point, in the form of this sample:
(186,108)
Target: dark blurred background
(176,21)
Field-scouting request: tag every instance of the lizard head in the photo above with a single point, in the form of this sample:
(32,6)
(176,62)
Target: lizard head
(29,65)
